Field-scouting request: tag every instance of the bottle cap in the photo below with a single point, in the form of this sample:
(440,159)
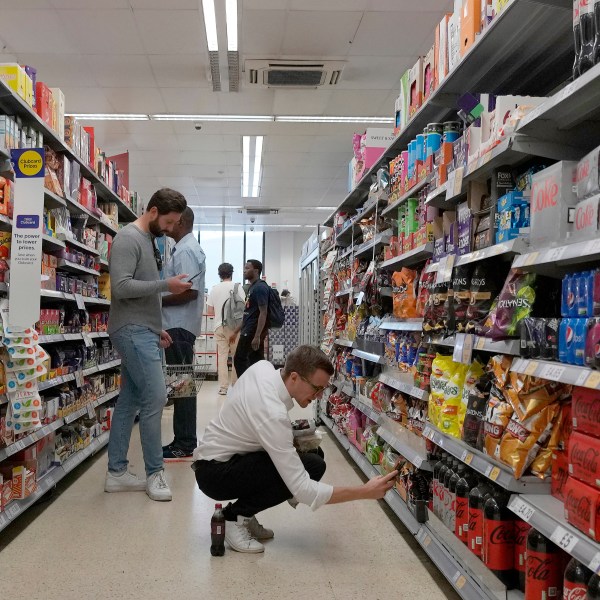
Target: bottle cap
(218,505)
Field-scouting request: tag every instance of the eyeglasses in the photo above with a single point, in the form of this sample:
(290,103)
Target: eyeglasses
(317,389)
(157,256)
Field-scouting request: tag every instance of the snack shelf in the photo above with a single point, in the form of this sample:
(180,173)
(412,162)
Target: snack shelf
(553,261)
(404,387)
(50,383)
(77,244)
(345,292)
(55,295)
(381,239)
(91,406)
(346,253)
(339,436)
(376,358)
(102,367)
(510,347)
(69,337)
(344,386)
(52,200)
(546,514)
(5,223)
(103,264)
(67,265)
(51,244)
(409,445)
(102,301)
(406,325)
(341,342)
(32,438)
(74,206)
(467,574)
(413,257)
(516,246)
(556,371)
(414,190)
(493,470)
(344,237)
(365,406)
(50,479)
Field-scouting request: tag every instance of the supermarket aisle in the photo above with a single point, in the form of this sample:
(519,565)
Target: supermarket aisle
(88,544)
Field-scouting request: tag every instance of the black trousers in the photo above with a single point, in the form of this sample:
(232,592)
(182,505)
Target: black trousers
(181,352)
(245,357)
(252,479)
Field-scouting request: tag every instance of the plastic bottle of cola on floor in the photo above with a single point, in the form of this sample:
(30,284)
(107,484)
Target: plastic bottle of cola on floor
(217,532)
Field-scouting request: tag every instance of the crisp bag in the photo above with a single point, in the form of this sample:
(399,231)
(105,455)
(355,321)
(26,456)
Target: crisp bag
(405,293)
(474,374)
(449,419)
(442,369)
(498,415)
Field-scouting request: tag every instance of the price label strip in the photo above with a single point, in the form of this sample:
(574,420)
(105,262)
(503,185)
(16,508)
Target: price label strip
(90,411)
(593,380)
(582,378)
(594,564)
(552,372)
(531,368)
(522,509)
(566,540)
(79,301)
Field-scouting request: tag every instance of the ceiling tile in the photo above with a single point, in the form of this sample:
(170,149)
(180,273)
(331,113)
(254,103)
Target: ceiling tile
(373,72)
(323,143)
(136,100)
(190,101)
(248,102)
(155,141)
(110,70)
(209,143)
(113,31)
(159,127)
(298,143)
(182,71)
(357,102)
(171,32)
(58,70)
(40,26)
(254,40)
(164,6)
(330,5)
(331,33)
(424,5)
(86,100)
(31,4)
(301,102)
(85,4)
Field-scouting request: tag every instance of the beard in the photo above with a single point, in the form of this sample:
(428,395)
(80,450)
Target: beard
(154,228)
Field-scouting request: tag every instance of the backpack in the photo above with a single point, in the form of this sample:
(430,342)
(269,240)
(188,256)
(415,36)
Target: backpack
(232,312)
(276,316)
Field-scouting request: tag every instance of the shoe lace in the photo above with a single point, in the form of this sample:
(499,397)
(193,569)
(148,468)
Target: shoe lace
(244,529)
(160,481)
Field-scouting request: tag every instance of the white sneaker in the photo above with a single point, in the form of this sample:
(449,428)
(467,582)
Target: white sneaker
(257,531)
(124,482)
(238,536)
(158,488)
(223,391)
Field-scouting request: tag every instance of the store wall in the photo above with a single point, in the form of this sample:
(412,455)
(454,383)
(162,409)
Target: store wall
(282,255)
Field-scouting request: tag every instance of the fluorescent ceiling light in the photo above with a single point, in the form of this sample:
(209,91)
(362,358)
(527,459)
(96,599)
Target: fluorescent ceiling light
(231,11)
(109,117)
(210,24)
(245,165)
(327,119)
(257,164)
(216,118)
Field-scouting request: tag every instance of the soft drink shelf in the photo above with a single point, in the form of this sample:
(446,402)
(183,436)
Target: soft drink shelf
(365,406)
(468,575)
(341,342)
(546,514)
(556,371)
(554,261)
(495,471)
(409,445)
(50,479)
(406,325)
(376,358)
(413,257)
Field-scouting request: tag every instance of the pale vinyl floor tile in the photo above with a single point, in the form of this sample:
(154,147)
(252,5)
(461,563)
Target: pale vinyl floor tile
(86,544)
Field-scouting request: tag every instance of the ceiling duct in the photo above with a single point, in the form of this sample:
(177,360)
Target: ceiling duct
(259,211)
(299,74)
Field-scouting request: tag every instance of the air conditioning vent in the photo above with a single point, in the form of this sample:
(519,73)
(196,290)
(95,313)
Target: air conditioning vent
(301,74)
(259,211)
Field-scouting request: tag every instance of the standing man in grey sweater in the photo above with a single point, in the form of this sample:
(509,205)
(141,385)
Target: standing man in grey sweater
(135,329)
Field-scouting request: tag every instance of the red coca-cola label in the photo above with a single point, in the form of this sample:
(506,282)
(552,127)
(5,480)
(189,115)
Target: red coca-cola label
(574,591)
(498,544)
(217,528)
(584,458)
(584,216)
(543,575)
(583,169)
(585,411)
(521,530)
(475,530)
(560,474)
(544,194)
(461,525)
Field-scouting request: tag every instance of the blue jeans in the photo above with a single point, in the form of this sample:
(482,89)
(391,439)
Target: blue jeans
(142,389)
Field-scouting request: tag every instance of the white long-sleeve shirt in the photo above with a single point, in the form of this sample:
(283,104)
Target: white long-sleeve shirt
(255,417)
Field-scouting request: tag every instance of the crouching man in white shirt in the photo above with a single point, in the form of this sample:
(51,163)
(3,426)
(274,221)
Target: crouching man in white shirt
(248,451)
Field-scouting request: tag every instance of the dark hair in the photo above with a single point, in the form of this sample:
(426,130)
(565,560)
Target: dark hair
(166,201)
(187,218)
(256,264)
(225,270)
(285,293)
(305,360)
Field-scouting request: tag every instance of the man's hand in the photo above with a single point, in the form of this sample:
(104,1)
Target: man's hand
(256,343)
(378,487)
(165,339)
(177,285)
(232,338)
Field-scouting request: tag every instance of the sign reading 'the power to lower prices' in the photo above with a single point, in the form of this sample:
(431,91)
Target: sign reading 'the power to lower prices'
(26,247)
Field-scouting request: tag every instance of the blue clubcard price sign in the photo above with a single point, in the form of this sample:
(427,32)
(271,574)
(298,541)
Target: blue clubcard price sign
(26,250)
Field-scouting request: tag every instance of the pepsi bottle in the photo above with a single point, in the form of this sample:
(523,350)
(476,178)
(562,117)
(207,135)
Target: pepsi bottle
(575,583)
(498,550)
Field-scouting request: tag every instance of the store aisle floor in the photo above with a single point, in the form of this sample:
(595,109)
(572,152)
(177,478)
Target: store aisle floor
(87,544)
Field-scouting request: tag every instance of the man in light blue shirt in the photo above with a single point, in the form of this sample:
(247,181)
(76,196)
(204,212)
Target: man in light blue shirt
(182,318)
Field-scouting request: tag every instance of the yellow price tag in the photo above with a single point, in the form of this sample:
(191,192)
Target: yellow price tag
(593,381)
(426,541)
(480,343)
(460,582)
(531,368)
(468,458)
(494,473)
(531,258)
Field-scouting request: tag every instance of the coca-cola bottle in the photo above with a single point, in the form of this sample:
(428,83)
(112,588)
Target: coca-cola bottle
(452,483)
(593,591)
(217,532)
(597,30)
(575,582)
(498,550)
(477,498)
(464,485)
(436,482)
(576,38)
(521,530)
(446,493)
(440,495)
(588,35)
(544,568)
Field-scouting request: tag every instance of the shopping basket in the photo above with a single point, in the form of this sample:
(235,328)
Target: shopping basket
(184,381)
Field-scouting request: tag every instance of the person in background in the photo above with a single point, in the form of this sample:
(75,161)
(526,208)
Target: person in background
(182,318)
(135,329)
(287,299)
(254,327)
(247,452)
(217,297)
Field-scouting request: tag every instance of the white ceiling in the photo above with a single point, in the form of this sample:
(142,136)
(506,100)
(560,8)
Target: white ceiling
(150,56)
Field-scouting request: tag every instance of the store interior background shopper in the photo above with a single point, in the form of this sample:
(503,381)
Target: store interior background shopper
(422,177)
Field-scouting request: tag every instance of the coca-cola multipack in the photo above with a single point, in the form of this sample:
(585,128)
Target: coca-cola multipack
(582,507)
(584,458)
